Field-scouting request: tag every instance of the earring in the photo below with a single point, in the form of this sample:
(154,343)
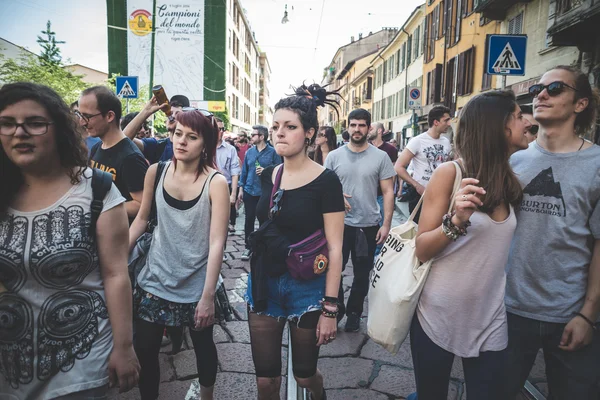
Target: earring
(203,154)
(307,141)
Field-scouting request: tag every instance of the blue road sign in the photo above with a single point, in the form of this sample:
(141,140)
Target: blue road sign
(415,93)
(506,54)
(127,87)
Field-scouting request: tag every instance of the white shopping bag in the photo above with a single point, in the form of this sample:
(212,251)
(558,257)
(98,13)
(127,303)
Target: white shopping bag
(396,282)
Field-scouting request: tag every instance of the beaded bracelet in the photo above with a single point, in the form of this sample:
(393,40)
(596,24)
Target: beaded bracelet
(329,314)
(452,231)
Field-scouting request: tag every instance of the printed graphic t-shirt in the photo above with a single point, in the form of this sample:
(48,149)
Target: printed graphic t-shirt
(429,154)
(558,221)
(126,164)
(56,334)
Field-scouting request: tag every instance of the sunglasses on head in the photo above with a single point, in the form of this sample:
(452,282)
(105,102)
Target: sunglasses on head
(206,113)
(276,209)
(553,89)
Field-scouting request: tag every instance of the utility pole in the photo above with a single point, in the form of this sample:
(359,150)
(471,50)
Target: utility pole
(153,32)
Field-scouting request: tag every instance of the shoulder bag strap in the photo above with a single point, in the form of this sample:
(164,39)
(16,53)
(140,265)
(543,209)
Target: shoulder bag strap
(101,183)
(153,218)
(455,189)
(276,185)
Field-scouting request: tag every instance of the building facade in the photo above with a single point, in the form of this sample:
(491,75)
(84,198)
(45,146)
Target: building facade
(265,112)
(454,53)
(531,18)
(398,67)
(335,75)
(242,70)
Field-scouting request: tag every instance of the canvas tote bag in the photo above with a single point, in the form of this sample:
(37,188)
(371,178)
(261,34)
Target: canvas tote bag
(397,280)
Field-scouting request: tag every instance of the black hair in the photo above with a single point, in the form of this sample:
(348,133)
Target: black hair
(263,130)
(74,104)
(346,136)
(526,109)
(305,102)
(358,114)
(106,101)
(128,118)
(436,114)
(69,142)
(179,100)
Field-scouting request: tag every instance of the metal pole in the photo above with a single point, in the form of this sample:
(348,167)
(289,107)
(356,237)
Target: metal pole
(152,48)
(503,82)
(127,105)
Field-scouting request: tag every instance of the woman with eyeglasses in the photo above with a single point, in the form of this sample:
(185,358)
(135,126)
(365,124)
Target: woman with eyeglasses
(461,309)
(325,143)
(177,286)
(65,295)
(299,199)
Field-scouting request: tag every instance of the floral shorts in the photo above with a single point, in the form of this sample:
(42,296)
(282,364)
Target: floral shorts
(152,308)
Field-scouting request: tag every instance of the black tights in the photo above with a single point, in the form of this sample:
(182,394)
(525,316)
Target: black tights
(266,334)
(147,346)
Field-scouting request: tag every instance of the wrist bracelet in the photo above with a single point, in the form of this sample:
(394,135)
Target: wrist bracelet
(589,321)
(330,299)
(329,314)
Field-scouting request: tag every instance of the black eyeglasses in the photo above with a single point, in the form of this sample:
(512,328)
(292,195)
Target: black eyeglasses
(553,89)
(85,117)
(533,129)
(276,209)
(33,128)
(222,129)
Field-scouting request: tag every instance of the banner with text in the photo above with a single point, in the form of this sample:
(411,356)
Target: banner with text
(179,45)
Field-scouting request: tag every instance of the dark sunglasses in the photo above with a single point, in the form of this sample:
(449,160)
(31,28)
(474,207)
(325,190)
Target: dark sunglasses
(222,129)
(276,209)
(533,129)
(553,89)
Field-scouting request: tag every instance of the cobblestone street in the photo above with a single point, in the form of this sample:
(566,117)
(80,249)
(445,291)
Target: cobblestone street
(354,367)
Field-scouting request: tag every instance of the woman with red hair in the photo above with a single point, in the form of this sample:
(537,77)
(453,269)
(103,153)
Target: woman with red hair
(178,285)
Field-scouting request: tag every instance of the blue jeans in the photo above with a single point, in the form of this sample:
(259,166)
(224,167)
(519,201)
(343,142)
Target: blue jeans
(570,374)
(484,375)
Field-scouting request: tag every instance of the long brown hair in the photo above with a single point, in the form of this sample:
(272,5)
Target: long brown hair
(207,128)
(69,143)
(482,144)
(331,143)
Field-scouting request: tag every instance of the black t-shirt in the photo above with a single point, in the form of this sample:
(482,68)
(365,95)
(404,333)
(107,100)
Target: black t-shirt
(126,164)
(302,209)
(392,153)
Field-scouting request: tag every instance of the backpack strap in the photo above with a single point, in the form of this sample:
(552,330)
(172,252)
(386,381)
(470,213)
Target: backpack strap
(153,218)
(276,184)
(101,184)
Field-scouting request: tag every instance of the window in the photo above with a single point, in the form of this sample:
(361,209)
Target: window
(449,98)
(466,7)
(368,95)
(515,25)
(466,67)
(434,82)
(430,36)
(417,42)
(456,18)
(409,50)
(384,71)
(486,82)
(403,63)
(438,31)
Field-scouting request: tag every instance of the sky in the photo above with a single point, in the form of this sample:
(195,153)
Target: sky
(297,51)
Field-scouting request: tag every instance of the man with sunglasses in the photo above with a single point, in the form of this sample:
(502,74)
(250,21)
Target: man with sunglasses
(156,150)
(100,113)
(534,127)
(259,157)
(553,285)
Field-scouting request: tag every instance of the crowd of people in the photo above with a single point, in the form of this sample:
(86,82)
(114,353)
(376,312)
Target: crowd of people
(516,264)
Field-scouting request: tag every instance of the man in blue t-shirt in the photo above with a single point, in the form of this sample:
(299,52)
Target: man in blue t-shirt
(156,150)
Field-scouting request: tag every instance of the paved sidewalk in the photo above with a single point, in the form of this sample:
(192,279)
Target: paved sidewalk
(354,367)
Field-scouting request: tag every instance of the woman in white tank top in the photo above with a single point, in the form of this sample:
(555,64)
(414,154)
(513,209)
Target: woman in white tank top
(461,310)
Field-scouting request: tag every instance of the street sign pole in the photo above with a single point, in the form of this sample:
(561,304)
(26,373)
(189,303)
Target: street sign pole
(127,105)
(153,33)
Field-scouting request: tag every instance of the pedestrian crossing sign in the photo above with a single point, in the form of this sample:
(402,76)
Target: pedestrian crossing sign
(127,87)
(506,54)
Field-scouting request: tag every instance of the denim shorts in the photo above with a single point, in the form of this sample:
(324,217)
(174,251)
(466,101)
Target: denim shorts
(290,298)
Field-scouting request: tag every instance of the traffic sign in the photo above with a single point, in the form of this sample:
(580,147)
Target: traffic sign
(127,87)
(414,98)
(506,54)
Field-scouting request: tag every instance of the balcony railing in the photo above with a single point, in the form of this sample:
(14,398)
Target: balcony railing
(564,6)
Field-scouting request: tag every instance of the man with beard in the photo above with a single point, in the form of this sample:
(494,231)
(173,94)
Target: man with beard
(156,150)
(362,168)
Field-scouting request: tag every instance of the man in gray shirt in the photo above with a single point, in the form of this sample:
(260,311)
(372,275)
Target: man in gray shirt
(553,271)
(362,168)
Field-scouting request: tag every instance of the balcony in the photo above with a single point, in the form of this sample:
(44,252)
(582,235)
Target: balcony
(575,23)
(495,9)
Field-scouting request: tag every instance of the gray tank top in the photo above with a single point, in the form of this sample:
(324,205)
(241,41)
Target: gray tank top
(176,266)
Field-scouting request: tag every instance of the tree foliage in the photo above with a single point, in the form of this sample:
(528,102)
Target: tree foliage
(50,50)
(31,68)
